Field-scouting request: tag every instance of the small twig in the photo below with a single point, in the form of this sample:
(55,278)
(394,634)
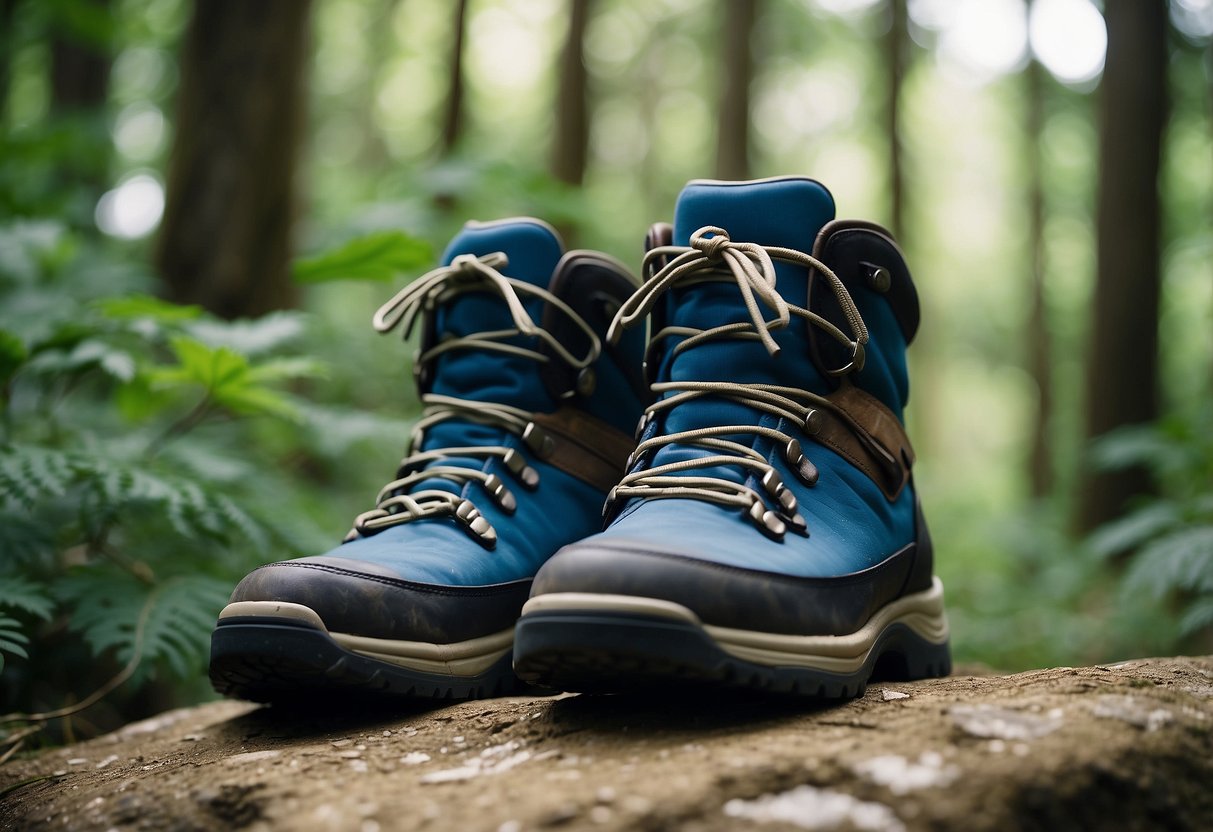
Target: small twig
(12,787)
(13,749)
(180,427)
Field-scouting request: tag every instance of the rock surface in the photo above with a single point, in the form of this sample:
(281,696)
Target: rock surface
(1128,746)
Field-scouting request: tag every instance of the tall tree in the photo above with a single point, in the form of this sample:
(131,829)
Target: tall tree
(81,59)
(896,53)
(452,116)
(570,146)
(737,68)
(1039,339)
(225,241)
(1122,355)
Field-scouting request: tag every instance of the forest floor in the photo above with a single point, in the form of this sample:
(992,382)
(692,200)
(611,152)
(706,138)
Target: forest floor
(1126,746)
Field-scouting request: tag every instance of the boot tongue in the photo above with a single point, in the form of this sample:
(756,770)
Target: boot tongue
(484,375)
(786,212)
(533,250)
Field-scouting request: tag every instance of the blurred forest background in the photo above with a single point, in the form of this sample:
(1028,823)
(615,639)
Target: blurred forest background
(202,203)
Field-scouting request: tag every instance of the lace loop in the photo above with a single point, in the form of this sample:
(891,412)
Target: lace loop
(396,503)
(751,267)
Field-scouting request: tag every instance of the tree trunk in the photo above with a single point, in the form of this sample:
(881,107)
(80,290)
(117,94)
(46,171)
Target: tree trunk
(80,70)
(1122,357)
(8,9)
(572,136)
(896,56)
(1039,346)
(737,64)
(226,237)
(452,119)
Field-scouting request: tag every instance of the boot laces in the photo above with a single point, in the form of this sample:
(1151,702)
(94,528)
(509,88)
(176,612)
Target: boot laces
(396,503)
(713,256)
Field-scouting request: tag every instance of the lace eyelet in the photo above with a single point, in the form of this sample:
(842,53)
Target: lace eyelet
(500,494)
(516,464)
(767,521)
(476,525)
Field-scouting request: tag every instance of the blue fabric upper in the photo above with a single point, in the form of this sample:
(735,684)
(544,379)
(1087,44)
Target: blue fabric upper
(562,509)
(852,525)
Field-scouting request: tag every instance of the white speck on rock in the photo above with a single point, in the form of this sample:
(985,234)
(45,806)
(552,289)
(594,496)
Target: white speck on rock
(252,756)
(997,746)
(77,761)
(807,807)
(415,758)
(892,695)
(902,776)
(359,766)
(1131,710)
(994,722)
(477,767)
(113,758)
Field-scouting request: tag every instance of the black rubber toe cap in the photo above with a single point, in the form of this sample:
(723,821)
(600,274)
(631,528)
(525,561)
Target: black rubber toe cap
(727,596)
(365,599)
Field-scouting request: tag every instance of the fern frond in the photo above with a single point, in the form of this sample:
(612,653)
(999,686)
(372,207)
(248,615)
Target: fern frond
(12,640)
(1180,560)
(29,473)
(1197,616)
(22,539)
(19,592)
(106,606)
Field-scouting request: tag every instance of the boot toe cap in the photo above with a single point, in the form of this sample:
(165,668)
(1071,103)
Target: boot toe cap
(366,599)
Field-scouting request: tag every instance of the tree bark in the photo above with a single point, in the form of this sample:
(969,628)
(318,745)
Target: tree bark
(225,242)
(737,65)
(8,9)
(80,70)
(896,57)
(452,118)
(570,148)
(1039,346)
(1122,357)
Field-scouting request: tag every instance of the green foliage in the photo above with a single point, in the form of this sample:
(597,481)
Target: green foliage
(141,451)
(1167,538)
(381,256)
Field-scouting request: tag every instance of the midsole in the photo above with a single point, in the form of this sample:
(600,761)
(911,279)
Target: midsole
(460,658)
(921,612)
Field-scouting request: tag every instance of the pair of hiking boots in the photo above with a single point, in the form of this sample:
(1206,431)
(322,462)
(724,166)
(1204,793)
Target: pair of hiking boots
(761,528)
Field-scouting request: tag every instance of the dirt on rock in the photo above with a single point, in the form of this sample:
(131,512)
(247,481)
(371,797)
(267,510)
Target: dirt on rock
(1128,746)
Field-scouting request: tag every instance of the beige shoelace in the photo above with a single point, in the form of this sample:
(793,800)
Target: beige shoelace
(394,504)
(712,256)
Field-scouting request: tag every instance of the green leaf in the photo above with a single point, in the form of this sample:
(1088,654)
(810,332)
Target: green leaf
(1197,616)
(380,256)
(280,369)
(1130,531)
(86,355)
(133,307)
(250,337)
(21,593)
(12,355)
(12,640)
(213,369)
(1180,560)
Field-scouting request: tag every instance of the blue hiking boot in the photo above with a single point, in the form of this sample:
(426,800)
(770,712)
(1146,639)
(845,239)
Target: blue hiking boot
(767,534)
(527,425)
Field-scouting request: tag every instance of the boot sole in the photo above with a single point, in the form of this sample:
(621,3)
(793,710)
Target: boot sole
(613,643)
(282,653)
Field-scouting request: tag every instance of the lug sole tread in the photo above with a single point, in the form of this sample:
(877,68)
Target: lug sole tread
(284,663)
(605,653)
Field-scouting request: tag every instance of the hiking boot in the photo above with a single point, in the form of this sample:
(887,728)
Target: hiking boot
(767,534)
(527,424)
